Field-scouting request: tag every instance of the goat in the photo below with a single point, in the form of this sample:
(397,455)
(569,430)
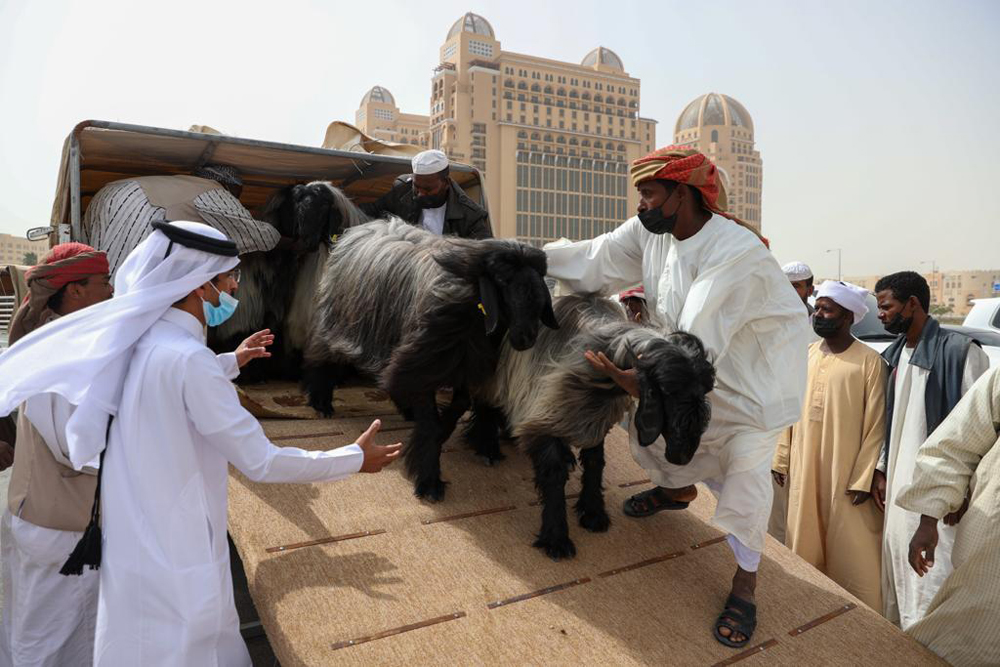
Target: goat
(552,400)
(420,312)
(277,287)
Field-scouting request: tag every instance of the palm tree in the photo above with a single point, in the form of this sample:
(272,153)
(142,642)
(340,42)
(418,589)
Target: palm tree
(30,258)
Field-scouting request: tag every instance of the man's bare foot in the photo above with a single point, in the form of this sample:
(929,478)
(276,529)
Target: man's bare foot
(745,614)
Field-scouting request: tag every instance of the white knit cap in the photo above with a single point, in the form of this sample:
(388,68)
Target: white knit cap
(429,162)
(795,271)
(846,296)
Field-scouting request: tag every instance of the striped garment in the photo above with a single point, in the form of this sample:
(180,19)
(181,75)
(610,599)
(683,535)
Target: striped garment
(963,454)
(120,216)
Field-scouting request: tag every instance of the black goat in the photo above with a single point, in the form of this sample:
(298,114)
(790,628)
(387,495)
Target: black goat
(552,400)
(421,312)
(276,288)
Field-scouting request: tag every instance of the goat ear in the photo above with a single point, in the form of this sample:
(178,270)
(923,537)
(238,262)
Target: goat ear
(548,315)
(490,302)
(649,415)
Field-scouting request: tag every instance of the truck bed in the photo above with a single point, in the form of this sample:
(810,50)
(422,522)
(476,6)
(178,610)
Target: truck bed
(361,572)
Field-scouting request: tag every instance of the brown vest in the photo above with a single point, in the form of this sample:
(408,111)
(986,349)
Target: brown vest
(43,491)
(176,194)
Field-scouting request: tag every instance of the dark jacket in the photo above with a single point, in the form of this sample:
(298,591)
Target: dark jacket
(463,217)
(941,352)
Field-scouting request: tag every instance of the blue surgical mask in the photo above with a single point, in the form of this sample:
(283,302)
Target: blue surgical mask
(216,315)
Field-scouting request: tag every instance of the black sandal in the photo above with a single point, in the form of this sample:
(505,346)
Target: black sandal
(740,617)
(642,504)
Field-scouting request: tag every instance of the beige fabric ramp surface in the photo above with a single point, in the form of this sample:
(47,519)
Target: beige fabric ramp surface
(361,572)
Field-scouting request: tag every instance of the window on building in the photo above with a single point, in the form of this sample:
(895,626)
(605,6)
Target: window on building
(715,136)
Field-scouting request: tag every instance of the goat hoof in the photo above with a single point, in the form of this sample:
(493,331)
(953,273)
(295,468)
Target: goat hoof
(595,521)
(492,459)
(556,548)
(432,490)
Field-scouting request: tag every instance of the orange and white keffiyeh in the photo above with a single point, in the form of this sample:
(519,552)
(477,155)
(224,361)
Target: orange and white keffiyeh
(688,166)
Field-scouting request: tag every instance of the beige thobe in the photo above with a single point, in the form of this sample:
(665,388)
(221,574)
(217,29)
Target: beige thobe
(964,453)
(834,449)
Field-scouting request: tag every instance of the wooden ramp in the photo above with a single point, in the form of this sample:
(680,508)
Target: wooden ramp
(361,572)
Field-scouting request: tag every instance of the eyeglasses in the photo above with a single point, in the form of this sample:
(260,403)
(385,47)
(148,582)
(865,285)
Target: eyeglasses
(235,274)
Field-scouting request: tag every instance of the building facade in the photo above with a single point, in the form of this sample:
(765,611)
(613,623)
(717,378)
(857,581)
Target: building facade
(952,290)
(380,118)
(720,127)
(553,139)
(14,248)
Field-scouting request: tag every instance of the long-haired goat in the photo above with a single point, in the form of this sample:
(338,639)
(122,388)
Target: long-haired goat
(420,312)
(552,399)
(277,287)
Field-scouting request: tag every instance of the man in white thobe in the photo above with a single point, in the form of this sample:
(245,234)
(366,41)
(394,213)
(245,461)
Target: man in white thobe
(710,276)
(801,278)
(166,593)
(930,368)
(48,619)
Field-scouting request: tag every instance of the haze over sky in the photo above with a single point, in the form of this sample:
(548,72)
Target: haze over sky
(876,121)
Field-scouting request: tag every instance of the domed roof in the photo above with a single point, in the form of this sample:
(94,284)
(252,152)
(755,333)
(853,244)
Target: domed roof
(604,57)
(473,23)
(713,109)
(378,94)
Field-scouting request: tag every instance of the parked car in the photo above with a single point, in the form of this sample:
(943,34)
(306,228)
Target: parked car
(871,332)
(985,314)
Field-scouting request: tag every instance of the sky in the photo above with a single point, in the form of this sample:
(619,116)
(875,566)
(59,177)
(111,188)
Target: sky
(876,121)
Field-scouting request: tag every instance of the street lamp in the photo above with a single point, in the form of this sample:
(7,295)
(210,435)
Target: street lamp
(837,250)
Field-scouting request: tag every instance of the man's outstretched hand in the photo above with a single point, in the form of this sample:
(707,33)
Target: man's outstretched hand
(376,456)
(627,380)
(254,347)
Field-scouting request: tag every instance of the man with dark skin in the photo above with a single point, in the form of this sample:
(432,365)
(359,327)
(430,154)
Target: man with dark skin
(431,199)
(801,277)
(930,368)
(831,453)
(685,202)
(683,244)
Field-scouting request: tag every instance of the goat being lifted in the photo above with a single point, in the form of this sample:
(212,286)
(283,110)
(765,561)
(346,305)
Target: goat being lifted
(420,312)
(277,287)
(553,399)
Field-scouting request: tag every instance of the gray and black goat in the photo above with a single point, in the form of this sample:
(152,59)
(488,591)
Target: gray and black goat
(420,312)
(277,287)
(553,400)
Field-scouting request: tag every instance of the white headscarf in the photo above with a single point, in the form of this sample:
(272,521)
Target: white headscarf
(85,355)
(847,296)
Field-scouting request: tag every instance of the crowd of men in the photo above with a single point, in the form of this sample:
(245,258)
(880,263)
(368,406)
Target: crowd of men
(883,466)
(879,472)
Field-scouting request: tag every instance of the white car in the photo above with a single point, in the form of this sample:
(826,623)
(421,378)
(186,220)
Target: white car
(871,332)
(985,314)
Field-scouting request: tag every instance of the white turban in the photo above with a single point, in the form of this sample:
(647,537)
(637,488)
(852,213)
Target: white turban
(429,162)
(796,271)
(846,295)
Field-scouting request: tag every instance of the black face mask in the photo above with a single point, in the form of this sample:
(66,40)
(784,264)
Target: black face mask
(657,223)
(826,327)
(899,324)
(427,201)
